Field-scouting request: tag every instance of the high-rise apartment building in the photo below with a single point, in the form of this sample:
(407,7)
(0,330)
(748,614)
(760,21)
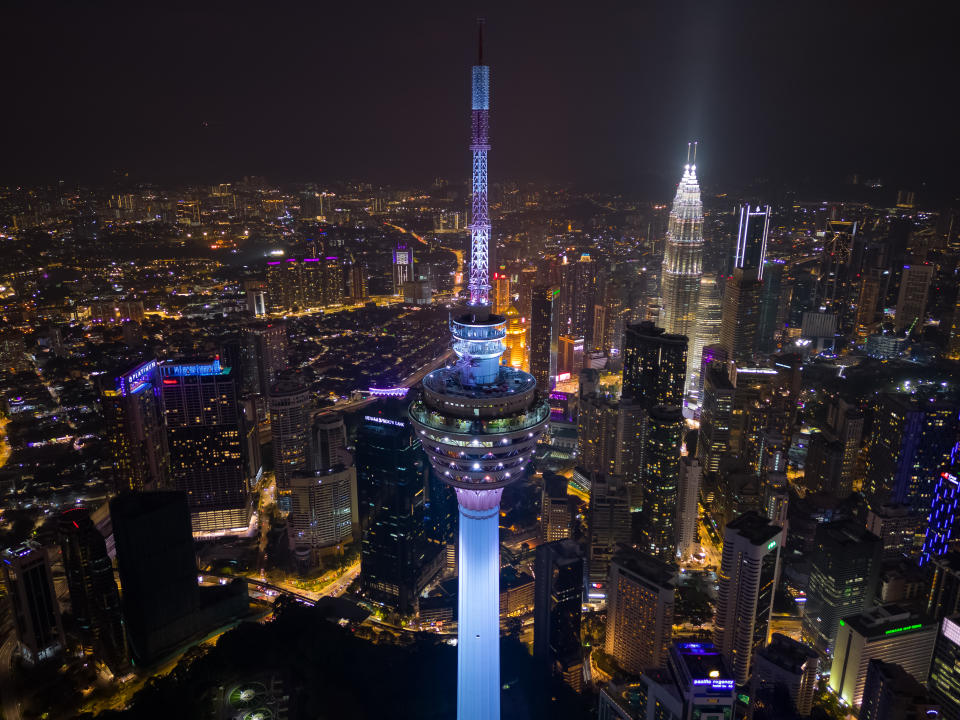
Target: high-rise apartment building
(290,407)
(609,528)
(323,512)
(135,432)
(206,434)
(688,498)
(501,292)
(640,596)
(94,598)
(35,611)
(843,579)
(555,516)
(915,283)
(296,284)
(266,350)
(749,572)
(558,598)
(660,480)
(516,355)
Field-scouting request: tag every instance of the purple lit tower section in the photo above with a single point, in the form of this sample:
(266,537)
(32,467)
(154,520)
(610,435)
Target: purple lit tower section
(479,422)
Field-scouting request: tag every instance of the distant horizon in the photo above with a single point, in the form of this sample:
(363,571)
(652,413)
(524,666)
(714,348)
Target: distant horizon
(604,99)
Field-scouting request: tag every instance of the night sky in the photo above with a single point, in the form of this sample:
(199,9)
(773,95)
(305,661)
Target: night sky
(600,94)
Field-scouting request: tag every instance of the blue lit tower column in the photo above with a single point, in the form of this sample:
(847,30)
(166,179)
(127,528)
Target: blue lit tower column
(479,422)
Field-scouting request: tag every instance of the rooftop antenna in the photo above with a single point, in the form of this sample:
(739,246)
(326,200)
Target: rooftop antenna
(688,153)
(695,151)
(480,24)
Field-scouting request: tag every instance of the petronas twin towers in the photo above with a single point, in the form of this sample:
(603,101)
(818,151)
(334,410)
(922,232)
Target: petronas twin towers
(683,270)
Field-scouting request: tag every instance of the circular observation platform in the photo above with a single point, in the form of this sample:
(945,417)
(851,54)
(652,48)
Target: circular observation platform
(479,437)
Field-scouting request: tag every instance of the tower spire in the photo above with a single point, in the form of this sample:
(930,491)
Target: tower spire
(695,142)
(480,23)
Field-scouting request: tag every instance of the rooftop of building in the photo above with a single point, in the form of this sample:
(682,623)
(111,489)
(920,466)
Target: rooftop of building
(703,665)
(757,529)
(787,653)
(646,567)
(649,329)
(848,533)
(887,620)
(554,486)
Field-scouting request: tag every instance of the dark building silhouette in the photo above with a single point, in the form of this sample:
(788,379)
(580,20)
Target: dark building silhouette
(558,597)
(660,480)
(544,335)
(94,598)
(391,471)
(843,579)
(944,677)
(162,604)
(891,693)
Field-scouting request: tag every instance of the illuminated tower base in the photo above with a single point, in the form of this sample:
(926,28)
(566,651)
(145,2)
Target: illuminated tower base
(478,637)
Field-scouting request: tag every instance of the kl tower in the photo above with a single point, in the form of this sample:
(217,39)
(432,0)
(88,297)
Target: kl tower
(479,422)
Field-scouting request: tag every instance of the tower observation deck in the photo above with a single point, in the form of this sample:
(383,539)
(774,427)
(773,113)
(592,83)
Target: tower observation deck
(479,422)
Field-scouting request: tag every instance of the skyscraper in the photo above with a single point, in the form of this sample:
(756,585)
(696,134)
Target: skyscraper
(843,579)
(135,432)
(403,267)
(888,633)
(36,613)
(741,313)
(944,680)
(788,663)
(391,471)
(544,337)
(558,595)
(555,517)
(479,424)
(640,596)
(691,474)
(915,285)
(716,414)
(749,572)
(163,606)
(323,511)
(683,260)
(290,405)
(94,598)
(891,693)
(654,363)
(660,480)
(206,433)
(609,528)
(911,443)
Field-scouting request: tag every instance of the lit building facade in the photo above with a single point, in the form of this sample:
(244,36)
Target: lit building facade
(290,405)
(207,440)
(683,260)
(36,613)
